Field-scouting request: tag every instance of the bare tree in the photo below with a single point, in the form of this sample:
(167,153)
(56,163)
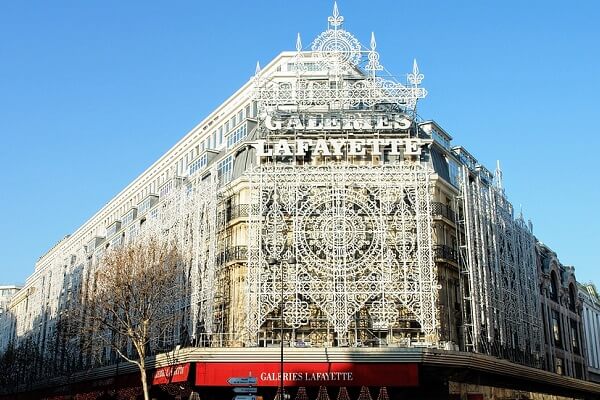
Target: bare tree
(131,304)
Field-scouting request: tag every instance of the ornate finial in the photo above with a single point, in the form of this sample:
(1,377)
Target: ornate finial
(373,64)
(521,212)
(298,43)
(336,19)
(498,175)
(257,71)
(416,76)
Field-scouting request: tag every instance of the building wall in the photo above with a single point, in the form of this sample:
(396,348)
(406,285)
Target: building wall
(7,319)
(591,325)
(6,293)
(561,313)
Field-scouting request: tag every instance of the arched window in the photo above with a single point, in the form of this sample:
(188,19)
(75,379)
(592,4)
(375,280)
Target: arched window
(572,297)
(553,286)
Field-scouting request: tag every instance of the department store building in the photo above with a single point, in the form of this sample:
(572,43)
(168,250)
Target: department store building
(317,209)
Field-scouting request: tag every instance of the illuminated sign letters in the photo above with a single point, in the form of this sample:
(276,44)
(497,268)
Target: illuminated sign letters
(339,147)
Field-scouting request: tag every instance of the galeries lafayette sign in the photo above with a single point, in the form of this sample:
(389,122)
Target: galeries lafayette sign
(339,147)
(311,374)
(171,374)
(345,121)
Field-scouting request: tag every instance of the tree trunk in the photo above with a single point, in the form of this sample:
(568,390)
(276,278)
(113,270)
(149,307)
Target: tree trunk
(142,366)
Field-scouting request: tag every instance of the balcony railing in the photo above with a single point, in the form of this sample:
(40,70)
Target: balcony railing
(242,210)
(442,210)
(443,252)
(231,254)
(231,213)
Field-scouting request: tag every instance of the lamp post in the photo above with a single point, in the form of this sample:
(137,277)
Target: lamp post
(274,261)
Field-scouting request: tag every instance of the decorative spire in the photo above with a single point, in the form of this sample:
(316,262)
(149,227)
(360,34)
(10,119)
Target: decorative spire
(298,43)
(336,19)
(416,76)
(498,175)
(257,70)
(373,64)
(257,75)
(521,212)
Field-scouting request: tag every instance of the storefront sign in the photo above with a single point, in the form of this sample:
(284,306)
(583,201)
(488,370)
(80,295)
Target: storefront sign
(311,374)
(171,374)
(339,147)
(346,121)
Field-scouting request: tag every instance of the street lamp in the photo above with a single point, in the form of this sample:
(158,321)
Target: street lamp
(274,261)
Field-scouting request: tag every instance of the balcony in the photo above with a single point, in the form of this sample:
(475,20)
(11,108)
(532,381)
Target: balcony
(113,228)
(231,213)
(146,204)
(442,210)
(444,253)
(233,254)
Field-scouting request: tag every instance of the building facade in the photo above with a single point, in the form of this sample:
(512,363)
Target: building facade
(591,325)
(315,208)
(7,292)
(561,313)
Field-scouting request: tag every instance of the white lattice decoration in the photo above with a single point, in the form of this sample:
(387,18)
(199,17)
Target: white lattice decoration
(361,237)
(187,216)
(499,258)
(338,53)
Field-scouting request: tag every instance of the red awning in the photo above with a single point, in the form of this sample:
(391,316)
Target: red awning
(171,374)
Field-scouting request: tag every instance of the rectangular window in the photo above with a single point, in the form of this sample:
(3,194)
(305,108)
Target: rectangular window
(147,203)
(225,170)
(113,228)
(237,135)
(556,329)
(198,164)
(129,216)
(116,241)
(574,337)
(132,232)
(441,139)
(166,188)
(453,169)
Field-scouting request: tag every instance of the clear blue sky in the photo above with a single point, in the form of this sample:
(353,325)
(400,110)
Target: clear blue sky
(92,92)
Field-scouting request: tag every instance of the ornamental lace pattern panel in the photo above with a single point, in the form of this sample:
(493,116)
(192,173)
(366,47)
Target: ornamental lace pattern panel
(344,61)
(188,217)
(361,237)
(351,93)
(500,264)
